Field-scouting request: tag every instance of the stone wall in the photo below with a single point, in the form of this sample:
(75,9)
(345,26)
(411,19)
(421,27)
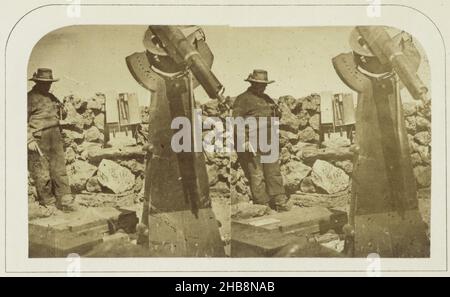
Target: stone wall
(90,167)
(308,167)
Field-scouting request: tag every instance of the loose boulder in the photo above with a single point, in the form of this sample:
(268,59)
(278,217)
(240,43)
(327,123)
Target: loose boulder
(93,134)
(79,172)
(288,122)
(213,174)
(293,174)
(93,185)
(411,124)
(314,122)
(328,177)
(409,109)
(211,108)
(345,165)
(70,137)
(99,121)
(422,124)
(416,159)
(423,176)
(424,153)
(287,137)
(74,119)
(245,210)
(289,101)
(308,135)
(115,177)
(303,118)
(96,103)
(423,138)
(137,168)
(307,185)
(311,103)
(337,142)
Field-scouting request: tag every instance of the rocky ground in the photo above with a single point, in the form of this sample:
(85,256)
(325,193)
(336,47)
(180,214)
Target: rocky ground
(314,174)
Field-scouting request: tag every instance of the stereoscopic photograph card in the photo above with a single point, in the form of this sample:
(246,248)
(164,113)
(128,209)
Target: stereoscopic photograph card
(224,138)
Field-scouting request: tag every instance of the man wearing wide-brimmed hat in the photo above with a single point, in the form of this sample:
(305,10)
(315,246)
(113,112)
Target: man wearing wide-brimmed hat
(266,182)
(46,159)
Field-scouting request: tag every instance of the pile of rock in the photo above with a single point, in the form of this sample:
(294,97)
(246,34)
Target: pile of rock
(418,126)
(306,167)
(309,168)
(90,167)
(217,165)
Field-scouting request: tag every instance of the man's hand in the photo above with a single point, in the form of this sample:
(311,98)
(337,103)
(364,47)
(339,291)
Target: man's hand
(34,147)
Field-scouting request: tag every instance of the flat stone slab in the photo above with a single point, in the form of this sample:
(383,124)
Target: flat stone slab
(50,243)
(266,236)
(293,220)
(76,232)
(128,152)
(78,220)
(309,156)
(248,241)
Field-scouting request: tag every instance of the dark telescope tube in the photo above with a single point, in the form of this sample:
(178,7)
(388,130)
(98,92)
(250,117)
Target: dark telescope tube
(179,49)
(384,48)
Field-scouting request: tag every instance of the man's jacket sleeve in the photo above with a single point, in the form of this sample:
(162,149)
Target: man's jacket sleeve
(31,108)
(239,107)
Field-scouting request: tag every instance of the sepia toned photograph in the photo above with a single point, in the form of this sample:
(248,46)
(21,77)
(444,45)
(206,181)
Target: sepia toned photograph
(223,141)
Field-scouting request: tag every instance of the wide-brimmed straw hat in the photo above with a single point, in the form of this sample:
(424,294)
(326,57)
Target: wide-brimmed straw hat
(259,76)
(44,75)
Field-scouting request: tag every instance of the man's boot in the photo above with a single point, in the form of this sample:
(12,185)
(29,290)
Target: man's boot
(66,203)
(280,203)
(48,202)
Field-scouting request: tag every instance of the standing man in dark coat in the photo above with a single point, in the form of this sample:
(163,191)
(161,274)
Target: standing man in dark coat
(46,159)
(266,182)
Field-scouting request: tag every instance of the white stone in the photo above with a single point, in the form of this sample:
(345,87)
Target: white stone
(328,177)
(115,177)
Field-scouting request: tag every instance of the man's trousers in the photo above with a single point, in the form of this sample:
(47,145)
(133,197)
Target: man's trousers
(49,171)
